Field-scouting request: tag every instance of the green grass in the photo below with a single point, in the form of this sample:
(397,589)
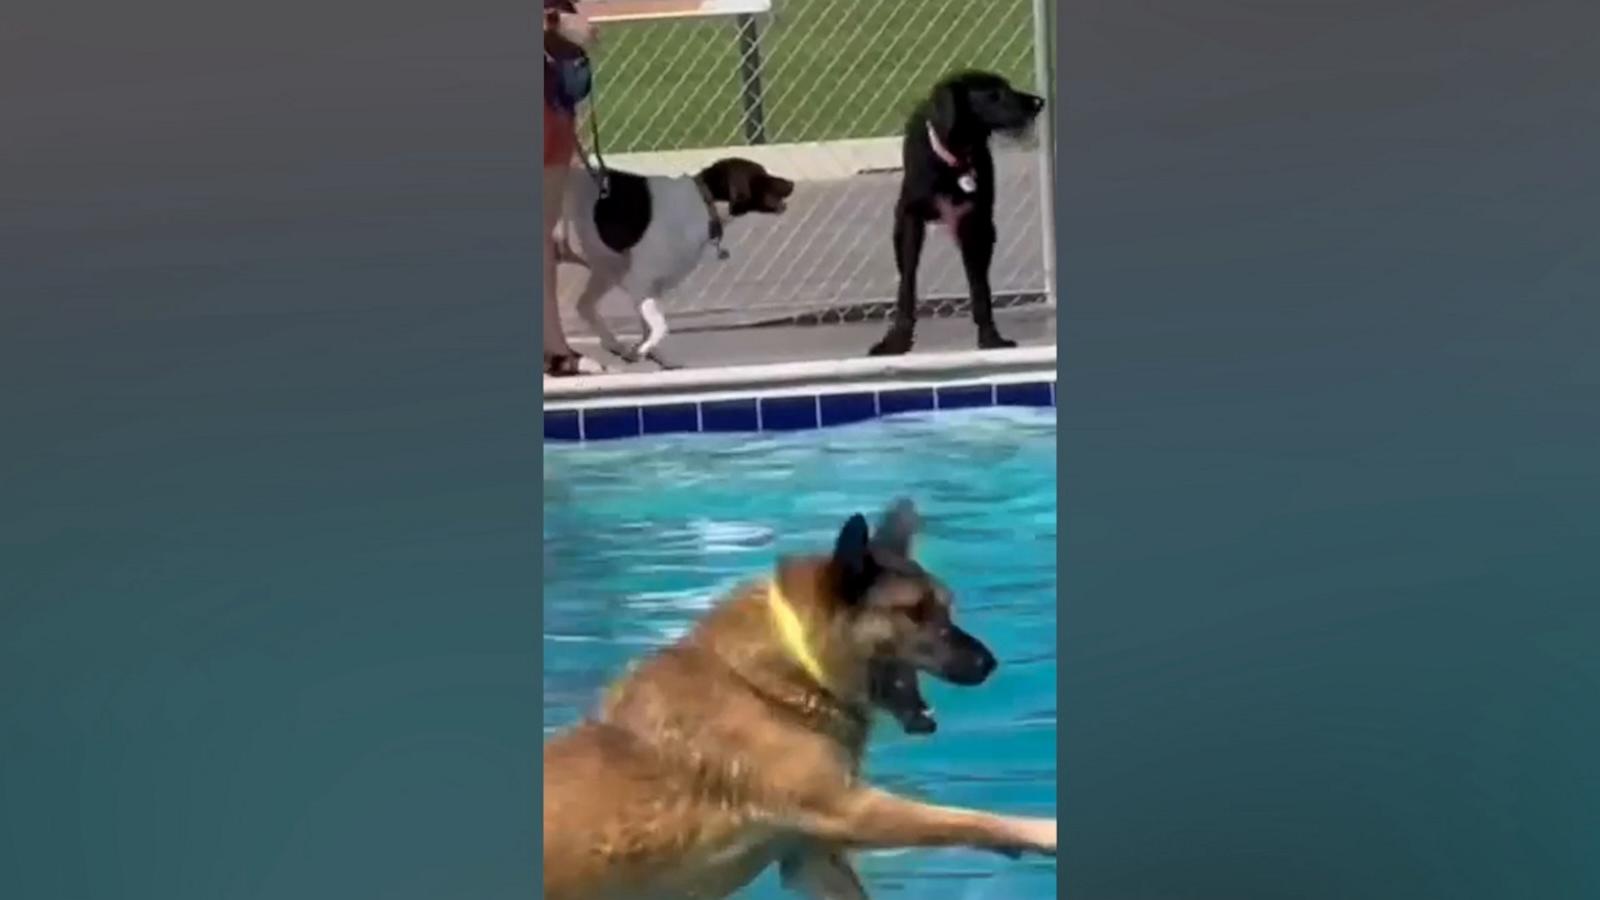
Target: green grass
(831,69)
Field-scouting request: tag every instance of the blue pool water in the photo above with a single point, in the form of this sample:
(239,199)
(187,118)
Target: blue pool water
(640,536)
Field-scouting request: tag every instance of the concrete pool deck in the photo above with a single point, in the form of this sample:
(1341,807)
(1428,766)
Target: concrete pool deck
(792,361)
(1029,326)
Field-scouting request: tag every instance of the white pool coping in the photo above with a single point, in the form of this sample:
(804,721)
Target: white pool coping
(803,161)
(875,373)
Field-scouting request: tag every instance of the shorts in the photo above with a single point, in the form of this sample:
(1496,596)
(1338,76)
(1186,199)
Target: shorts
(560,137)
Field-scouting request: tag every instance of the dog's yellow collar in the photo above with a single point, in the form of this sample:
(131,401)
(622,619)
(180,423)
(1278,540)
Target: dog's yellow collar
(792,633)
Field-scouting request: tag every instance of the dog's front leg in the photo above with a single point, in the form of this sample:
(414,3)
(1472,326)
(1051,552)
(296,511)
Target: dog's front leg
(975,235)
(819,872)
(654,327)
(588,306)
(910,232)
(869,818)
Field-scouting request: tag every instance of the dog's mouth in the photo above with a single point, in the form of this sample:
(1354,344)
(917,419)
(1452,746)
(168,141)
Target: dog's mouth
(778,196)
(1021,116)
(1020,131)
(894,684)
(894,688)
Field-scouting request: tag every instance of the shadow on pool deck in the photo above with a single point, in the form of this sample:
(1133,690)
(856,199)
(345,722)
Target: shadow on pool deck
(1030,326)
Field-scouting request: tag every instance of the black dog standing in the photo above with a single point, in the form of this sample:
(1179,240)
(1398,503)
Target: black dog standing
(949,178)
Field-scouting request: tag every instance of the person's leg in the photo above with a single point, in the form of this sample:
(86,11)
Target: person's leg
(560,146)
(554,187)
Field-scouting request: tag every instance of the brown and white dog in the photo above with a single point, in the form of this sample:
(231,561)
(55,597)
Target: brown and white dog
(646,233)
(740,746)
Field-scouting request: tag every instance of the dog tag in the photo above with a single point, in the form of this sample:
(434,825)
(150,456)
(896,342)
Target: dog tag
(968,183)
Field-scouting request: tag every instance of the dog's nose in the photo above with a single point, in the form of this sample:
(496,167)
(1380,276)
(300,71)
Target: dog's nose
(1036,103)
(987,664)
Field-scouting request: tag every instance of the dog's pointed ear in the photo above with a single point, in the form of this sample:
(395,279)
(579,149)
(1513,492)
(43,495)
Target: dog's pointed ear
(899,526)
(852,559)
(944,109)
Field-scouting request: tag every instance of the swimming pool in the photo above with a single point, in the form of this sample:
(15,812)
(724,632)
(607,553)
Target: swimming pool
(642,535)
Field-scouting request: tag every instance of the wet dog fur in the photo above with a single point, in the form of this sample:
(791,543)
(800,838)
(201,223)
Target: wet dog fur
(740,746)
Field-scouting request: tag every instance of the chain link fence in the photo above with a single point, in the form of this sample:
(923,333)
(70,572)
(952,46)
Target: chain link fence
(817,91)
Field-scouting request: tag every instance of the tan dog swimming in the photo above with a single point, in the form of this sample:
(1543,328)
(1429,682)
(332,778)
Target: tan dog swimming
(740,746)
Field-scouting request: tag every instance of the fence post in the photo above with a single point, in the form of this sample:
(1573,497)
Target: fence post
(1044,76)
(755,115)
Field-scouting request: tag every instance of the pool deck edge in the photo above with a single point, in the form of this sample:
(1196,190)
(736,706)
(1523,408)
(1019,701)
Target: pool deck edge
(818,376)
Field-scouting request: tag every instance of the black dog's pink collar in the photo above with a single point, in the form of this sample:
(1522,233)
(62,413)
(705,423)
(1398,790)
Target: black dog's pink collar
(968,183)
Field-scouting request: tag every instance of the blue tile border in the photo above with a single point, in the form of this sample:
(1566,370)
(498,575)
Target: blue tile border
(903,401)
(843,409)
(730,415)
(965,396)
(790,413)
(671,418)
(1032,393)
(613,423)
(563,425)
(799,412)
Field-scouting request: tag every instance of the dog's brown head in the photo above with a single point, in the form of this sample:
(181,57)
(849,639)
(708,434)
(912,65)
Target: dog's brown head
(745,186)
(892,619)
(976,104)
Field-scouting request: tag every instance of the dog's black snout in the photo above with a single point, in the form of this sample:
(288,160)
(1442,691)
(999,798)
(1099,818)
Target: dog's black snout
(984,665)
(970,663)
(981,660)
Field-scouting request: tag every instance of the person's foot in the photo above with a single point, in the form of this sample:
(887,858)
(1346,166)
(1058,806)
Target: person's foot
(564,365)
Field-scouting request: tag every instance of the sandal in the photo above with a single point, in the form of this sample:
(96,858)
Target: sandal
(566,365)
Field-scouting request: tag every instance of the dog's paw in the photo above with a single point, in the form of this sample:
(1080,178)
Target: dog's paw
(663,362)
(1028,835)
(1035,835)
(895,343)
(991,340)
(620,351)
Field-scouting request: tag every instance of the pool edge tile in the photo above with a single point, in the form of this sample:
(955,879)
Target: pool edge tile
(846,409)
(796,413)
(724,416)
(966,396)
(563,425)
(904,400)
(1023,393)
(612,423)
(670,418)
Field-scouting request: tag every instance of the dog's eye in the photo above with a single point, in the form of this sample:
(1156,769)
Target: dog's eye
(922,612)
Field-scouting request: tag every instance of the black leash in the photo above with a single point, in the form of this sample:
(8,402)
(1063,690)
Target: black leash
(714,228)
(599,175)
(601,181)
